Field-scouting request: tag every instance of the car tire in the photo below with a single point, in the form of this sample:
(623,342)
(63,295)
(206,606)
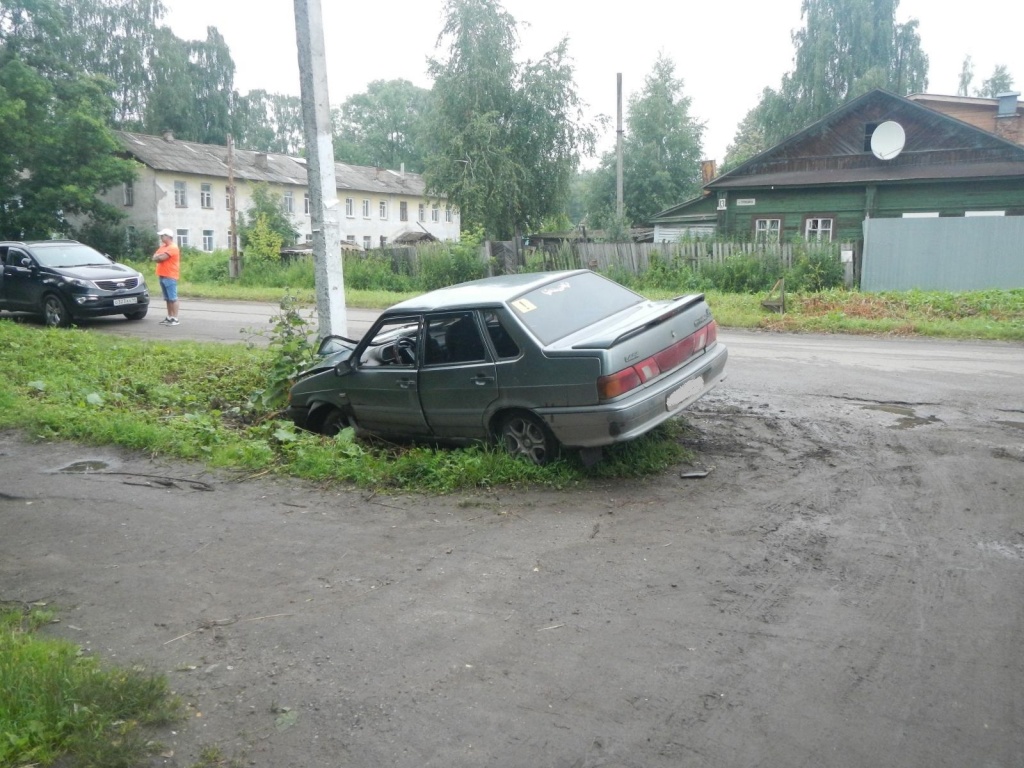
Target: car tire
(137,314)
(333,423)
(524,435)
(55,311)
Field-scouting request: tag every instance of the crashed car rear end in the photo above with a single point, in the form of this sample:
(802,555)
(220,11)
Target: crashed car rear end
(656,358)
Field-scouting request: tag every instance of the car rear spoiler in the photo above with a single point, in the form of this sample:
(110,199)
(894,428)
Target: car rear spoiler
(679,305)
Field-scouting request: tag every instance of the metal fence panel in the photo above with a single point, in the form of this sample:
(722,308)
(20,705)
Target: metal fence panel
(943,254)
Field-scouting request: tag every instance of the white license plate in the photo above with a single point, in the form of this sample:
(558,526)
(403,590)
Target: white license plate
(129,300)
(688,390)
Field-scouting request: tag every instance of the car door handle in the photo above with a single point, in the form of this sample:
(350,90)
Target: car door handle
(480,379)
(406,383)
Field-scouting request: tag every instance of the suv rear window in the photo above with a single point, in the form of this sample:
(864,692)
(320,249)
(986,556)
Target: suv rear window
(565,306)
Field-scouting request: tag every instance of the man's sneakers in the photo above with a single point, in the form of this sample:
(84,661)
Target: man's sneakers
(170,321)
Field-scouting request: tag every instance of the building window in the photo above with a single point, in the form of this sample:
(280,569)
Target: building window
(182,238)
(423,212)
(350,207)
(289,202)
(435,214)
(869,131)
(309,238)
(819,229)
(206,195)
(767,231)
(367,242)
(305,204)
(383,209)
(448,215)
(180,195)
(366,209)
(403,211)
(129,194)
(383,241)
(207,240)
(350,238)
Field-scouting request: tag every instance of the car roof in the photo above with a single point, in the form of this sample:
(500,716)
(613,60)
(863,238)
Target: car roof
(38,243)
(489,291)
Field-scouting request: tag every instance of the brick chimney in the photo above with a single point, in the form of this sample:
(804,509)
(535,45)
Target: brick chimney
(261,160)
(1008,118)
(168,136)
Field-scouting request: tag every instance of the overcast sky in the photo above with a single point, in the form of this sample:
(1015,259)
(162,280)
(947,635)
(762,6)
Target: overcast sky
(725,52)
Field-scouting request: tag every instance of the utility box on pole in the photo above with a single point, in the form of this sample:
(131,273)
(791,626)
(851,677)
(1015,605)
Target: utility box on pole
(323,187)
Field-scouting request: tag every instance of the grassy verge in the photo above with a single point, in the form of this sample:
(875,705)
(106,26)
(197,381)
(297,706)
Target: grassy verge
(202,401)
(57,702)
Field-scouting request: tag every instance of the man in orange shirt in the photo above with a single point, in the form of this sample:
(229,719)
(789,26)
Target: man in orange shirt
(168,260)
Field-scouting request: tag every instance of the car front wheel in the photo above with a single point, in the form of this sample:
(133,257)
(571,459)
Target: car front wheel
(526,436)
(55,312)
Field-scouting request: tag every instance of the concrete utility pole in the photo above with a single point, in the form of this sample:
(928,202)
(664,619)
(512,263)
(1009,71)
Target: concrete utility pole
(323,186)
(618,149)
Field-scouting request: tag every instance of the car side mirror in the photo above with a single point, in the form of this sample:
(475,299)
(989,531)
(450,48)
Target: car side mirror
(343,368)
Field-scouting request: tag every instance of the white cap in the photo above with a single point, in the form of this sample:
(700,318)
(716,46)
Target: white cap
(165,233)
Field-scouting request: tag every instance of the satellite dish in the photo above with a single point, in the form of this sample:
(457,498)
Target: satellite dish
(887,140)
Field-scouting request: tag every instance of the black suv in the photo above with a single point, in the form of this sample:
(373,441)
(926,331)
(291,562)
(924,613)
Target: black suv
(64,280)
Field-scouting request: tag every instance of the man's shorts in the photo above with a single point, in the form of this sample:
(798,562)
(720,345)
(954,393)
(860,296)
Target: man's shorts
(169,286)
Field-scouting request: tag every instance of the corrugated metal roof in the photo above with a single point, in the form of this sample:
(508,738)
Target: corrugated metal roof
(189,157)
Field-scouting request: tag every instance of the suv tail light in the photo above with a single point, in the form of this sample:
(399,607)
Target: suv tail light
(621,382)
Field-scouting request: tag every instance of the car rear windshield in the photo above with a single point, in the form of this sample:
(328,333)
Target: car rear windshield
(68,255)
(565,306)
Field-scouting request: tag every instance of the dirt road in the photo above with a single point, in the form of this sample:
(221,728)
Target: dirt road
(843,589)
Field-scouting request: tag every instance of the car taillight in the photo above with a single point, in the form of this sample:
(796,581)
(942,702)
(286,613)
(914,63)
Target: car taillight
(623,381)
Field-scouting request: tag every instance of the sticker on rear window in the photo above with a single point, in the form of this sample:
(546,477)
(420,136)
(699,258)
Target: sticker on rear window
(524,305)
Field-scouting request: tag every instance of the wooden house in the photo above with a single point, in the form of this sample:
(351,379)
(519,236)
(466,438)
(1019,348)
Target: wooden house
(879,157)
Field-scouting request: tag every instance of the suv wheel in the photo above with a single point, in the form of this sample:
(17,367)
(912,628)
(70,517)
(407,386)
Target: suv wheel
(56,312)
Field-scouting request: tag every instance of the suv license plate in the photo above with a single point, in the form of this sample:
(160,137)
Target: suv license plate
(129,300)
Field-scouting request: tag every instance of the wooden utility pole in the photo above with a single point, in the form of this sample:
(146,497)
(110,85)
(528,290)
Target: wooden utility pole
(618,149)
(323,186)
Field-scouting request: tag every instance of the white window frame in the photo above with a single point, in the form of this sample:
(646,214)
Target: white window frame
(206,195)
(383,210)
(350,208)
(367,242)
(435,214)
(448,216)
(366,208)
(305,204)
(817,227)
(129,194)
(767,230)
(403,211)
(180,194)
(181,237)
(289,202)
(423,212)
(208,240)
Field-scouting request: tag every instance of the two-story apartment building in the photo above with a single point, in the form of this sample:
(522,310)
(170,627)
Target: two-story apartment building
(185,187)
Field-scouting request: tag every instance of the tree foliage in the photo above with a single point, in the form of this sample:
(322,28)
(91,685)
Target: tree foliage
(269,122)
(383,126)
(845,48)
(661,156)
(999,82)
(266,214)
(57,152)
(505,138)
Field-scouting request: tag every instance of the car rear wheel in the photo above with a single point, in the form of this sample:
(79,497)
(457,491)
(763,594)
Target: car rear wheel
(525,436)
(137,314)
(55,311)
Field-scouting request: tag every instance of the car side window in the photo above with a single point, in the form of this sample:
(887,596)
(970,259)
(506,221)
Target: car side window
(394,343)
(504,345)
(462,341)
(15,256)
